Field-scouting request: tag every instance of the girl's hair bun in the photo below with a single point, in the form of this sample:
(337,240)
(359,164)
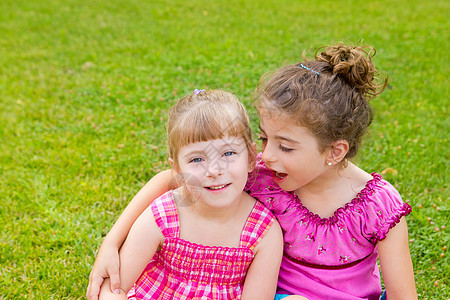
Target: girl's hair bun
(355,66)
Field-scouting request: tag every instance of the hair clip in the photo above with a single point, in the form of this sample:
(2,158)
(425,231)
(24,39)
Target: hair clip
(305,67)
(197,91)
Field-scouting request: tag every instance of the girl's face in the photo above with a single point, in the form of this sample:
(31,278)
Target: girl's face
(215,171)
(292,152)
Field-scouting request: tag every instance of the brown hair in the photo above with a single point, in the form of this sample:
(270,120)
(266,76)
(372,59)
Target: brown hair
(205,116)
(329,95)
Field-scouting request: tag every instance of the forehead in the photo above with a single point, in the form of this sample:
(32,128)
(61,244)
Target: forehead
(275,120)
(214,146)
(285,128)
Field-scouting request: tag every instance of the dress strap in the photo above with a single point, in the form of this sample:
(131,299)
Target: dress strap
(256,226)
(166,215)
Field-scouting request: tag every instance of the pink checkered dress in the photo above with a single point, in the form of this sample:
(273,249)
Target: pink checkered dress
(184,270)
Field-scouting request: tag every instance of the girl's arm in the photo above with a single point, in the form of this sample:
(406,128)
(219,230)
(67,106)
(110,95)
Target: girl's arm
(262,276)
(107,261)
(141,244)
(396,264)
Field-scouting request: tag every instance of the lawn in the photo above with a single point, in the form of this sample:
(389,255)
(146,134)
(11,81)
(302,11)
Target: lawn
(85,87)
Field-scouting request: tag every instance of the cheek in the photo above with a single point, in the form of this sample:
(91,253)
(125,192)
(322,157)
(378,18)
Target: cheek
(191,177)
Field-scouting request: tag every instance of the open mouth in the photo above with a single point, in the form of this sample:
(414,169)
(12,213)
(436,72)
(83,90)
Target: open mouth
(217,187)
(279,175)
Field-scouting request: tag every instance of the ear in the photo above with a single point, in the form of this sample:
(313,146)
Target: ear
(173,165)
(337,152)
(177,179)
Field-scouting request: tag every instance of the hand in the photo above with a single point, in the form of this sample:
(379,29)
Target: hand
(106,266)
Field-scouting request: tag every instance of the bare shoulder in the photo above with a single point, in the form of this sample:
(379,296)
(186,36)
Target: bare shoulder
(274,231)
(272,240)
(359,177)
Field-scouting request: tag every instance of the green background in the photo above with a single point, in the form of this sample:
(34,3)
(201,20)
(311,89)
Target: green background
(85,87)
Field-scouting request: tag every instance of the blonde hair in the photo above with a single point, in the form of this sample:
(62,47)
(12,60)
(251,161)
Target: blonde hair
(205,116)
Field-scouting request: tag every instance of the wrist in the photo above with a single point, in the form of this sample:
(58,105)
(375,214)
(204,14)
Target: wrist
(110,242)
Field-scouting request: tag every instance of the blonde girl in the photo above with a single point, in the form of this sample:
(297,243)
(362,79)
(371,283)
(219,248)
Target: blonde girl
(207,239)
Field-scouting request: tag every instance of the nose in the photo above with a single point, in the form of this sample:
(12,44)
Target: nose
(267,154)
(214,169)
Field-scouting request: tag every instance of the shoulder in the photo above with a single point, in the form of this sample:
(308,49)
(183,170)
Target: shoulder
(382,192)
(166,199)
(373,189)
(260,179)
(164,205)
(383,207)
(165,214)
(263,187)
(271,238)
(260,221)
(257,212)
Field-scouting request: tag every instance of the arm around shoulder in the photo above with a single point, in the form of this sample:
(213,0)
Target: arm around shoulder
(262,276)
(107,262)
(396,264)
(155,187)
(138,249)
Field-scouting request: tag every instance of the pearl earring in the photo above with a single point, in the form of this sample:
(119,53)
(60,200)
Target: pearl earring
(329,163)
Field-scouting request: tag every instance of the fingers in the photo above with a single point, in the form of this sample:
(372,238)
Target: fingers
(94,287)
(115,281)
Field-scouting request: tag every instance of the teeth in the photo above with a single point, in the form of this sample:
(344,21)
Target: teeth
(217,187)
(280,175)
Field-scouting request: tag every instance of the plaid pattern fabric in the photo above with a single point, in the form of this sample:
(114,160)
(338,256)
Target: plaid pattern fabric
(185,270)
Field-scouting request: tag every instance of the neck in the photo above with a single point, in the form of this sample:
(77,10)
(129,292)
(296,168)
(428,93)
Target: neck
(218,214)
(332,190)
(328,182)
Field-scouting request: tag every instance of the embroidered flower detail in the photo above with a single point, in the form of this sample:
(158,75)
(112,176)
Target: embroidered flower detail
(341,227)
(310,237)
(301,223)
(270,200)
(380,214)
(321,250)
(344,259)
(287,246)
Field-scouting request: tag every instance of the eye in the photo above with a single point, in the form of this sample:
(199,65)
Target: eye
(229,153)
(284,149)
(263,139)
(196,160)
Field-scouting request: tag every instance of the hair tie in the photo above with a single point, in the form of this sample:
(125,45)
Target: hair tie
(197,91)
(305,67)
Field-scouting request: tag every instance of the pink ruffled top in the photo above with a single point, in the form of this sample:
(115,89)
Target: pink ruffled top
(336,257)
(185,270)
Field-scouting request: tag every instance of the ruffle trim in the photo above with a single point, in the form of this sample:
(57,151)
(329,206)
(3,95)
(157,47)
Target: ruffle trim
(381,235)
(371,186)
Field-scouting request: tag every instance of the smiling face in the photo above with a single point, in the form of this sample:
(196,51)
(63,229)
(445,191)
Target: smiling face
(215,171)
(292,152)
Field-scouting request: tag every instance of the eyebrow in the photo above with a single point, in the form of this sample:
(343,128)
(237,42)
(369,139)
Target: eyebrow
(192,153)
(279,137)
(221,148)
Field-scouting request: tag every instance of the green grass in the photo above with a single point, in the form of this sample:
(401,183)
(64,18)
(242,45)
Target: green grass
(85,87)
